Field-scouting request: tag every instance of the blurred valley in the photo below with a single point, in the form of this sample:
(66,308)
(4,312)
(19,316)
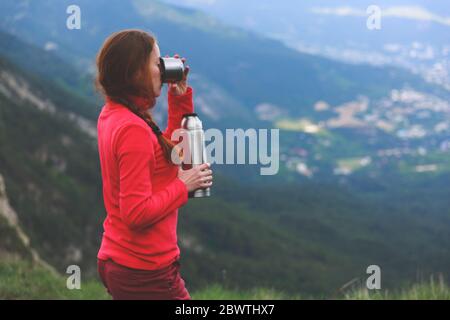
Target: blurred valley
(364,141)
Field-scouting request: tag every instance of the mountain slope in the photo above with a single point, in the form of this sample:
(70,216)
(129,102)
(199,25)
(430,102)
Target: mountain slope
(249,68)
(43,153)
(310,239)
(13,240)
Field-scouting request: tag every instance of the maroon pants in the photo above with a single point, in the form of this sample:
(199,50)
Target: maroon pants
(124,283)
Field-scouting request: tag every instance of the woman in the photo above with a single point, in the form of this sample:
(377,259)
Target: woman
(142,187)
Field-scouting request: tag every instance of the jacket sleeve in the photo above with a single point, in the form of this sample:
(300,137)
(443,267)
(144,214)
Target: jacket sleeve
(140,207)
(178,106)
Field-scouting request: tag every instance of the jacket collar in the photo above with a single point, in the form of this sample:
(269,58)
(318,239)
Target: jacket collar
(142,103)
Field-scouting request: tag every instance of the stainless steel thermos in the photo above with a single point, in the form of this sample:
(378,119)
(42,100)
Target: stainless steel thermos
(172,70)
(193,130)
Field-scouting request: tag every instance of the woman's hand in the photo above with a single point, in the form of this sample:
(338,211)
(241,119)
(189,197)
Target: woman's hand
(197,177)
(179,88)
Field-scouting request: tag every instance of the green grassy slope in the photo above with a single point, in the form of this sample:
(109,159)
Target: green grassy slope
(22,280)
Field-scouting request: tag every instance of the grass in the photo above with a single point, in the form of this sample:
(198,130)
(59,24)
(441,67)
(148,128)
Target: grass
(217,292)
(431,290)
(22,280)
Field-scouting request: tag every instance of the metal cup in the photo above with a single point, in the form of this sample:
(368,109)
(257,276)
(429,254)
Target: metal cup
(172,70)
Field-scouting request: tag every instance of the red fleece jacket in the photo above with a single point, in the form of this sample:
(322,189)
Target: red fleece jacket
(141,190)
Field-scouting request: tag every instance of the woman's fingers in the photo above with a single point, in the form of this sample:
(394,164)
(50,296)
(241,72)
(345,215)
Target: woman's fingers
(206,183)
(202,176)
(205,173)
(203,166)
(186,72)
(206,177)
(177,56)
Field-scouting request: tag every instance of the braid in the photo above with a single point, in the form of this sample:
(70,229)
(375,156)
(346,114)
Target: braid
(166,144)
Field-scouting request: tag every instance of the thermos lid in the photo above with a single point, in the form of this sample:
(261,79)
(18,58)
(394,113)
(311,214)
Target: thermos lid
(193,114)
(191,121)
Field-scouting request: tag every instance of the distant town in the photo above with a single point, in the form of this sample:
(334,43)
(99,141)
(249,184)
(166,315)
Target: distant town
(407,124)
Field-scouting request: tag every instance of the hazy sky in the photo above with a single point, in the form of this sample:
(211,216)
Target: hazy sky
(437,11)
